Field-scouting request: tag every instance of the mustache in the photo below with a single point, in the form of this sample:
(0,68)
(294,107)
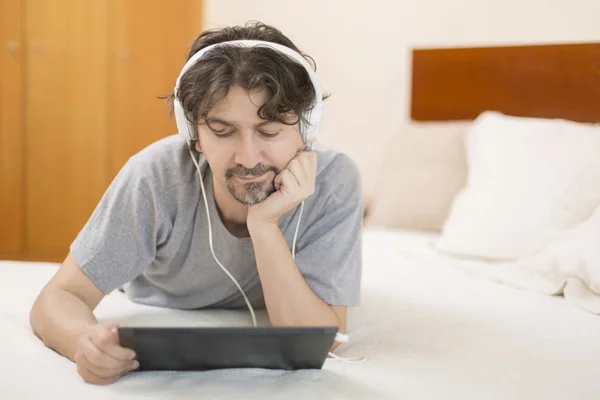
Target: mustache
(240,170)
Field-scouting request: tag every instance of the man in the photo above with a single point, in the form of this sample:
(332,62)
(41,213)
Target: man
(149,235)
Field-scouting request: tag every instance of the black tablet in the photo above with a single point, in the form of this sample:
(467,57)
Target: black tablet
(198,349)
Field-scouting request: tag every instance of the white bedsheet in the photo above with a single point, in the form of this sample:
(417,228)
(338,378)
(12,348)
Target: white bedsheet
(429,332)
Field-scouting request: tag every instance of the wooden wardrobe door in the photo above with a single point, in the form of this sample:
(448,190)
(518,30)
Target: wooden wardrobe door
(149,44)
(11,138)
(66,120)
(94,72)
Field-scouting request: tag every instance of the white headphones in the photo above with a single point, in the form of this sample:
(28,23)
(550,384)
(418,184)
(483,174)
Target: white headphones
(309,134)
(313,116)
(308,131)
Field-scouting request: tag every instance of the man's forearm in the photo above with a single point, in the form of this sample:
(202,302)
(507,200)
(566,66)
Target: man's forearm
(289,299)
(58,318)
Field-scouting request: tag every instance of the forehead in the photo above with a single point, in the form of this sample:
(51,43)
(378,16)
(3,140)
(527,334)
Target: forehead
(239,101)
(241,107)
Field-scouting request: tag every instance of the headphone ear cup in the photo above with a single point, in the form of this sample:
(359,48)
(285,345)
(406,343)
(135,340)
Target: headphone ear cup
(183,125)
(308,127)
(302,126)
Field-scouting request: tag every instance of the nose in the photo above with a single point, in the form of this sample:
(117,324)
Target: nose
(247,152)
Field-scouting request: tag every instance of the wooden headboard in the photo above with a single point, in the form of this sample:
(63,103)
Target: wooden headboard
(546,81)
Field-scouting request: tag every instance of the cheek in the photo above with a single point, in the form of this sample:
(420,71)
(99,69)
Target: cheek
(216,157)
(282,152)
(281,155)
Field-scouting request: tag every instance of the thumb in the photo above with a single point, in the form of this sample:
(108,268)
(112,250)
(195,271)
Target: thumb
(111,327)
(277,182)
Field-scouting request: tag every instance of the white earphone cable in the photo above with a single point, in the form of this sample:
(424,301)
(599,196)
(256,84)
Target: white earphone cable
(343,338)
(296,233)
(313,116)
(350,360)
(311,147)
(210,239)
(210,242)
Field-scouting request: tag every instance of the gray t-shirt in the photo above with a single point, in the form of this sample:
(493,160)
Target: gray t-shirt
(149,235)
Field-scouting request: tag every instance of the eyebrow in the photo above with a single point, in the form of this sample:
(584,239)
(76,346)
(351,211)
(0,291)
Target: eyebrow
(224,122)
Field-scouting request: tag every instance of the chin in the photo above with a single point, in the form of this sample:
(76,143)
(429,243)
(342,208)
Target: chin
(252,193)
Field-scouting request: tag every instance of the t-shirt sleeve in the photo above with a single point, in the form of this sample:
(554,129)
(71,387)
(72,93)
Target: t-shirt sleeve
(120,239)
(330,256)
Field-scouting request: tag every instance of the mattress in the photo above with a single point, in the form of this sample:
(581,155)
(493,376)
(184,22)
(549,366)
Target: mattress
(427,330)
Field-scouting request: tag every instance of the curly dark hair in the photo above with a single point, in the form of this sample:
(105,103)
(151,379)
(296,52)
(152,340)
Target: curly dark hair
(287,84)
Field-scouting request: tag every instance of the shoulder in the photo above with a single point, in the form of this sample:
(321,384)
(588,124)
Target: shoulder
(338,176)
(163,165)
(336,206)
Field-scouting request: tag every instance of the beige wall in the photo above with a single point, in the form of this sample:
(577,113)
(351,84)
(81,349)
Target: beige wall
(362,50)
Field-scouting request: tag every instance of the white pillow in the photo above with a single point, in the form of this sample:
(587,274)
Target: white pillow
(528,180)
(422,172)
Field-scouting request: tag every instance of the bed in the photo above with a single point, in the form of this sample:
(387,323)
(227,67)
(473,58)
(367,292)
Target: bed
(427,332)
(444,314)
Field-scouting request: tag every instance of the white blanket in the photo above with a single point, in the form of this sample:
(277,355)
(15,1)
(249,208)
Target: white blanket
(428,332)
(568,265)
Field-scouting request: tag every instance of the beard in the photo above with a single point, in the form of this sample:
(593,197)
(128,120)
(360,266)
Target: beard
(252,192)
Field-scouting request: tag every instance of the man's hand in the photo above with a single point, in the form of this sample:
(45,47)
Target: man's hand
(294,184)
(99,357)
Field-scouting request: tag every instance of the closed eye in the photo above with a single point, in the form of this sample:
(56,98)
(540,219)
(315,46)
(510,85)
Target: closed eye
(223,133)
(220,128)
(269,134)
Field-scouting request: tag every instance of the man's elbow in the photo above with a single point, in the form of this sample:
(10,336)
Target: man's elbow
(36,315)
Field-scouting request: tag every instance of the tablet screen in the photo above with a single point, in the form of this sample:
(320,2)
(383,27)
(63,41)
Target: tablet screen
(194,348)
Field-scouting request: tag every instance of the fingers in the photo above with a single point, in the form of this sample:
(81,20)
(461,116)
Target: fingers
(100,376)
(299,176)
(304,169)
(100,358)
(309,160)
(98,368)
(286,182)
(107,341)
(90,377)
(298,172)
(110,325)
(94,357)
(104,373)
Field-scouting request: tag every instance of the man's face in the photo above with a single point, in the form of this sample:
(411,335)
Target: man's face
(245,152)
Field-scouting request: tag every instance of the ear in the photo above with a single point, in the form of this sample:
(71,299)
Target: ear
(198,148)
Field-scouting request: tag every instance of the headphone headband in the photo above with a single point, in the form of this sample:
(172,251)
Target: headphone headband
(313,117)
